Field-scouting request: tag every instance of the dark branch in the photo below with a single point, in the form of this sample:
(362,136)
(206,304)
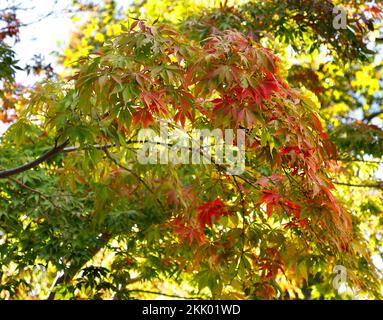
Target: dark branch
(34,163)
(359,160)
(373,115)
(165,294)
(22,185)
(63,148)
(97,146)
(372,185)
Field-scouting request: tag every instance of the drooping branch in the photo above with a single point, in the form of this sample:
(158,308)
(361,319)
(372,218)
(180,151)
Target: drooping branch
(55,150)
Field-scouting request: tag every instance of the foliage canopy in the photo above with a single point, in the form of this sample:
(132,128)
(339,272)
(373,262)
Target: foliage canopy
(103,225)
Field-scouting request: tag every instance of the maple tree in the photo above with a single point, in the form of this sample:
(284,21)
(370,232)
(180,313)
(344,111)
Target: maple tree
(265,233)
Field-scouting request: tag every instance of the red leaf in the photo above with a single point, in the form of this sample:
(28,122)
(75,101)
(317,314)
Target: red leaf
(263,181)
(303,223)
(188,232)
(293,208)
(142,116)
(210,210)
(271,199)
(292,149)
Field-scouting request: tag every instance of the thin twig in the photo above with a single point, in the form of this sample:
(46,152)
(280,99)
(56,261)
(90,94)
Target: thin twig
(23,185)
(378,185)
(165,294)
(108,155)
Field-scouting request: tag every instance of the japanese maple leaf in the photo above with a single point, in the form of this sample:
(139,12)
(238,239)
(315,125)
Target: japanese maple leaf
(275,178)
(293,208)
(142,116)
(292,149)
(154,102)
(209,210)
(188,232)
(292,205)
(264,181)
(271,198)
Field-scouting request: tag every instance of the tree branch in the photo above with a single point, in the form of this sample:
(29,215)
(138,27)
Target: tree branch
(55,150)
(378,185)
(165,294)
(63,148)
(96,146)
(22,185)
(359,160)
(108,155)
(34,163)
(373,115)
